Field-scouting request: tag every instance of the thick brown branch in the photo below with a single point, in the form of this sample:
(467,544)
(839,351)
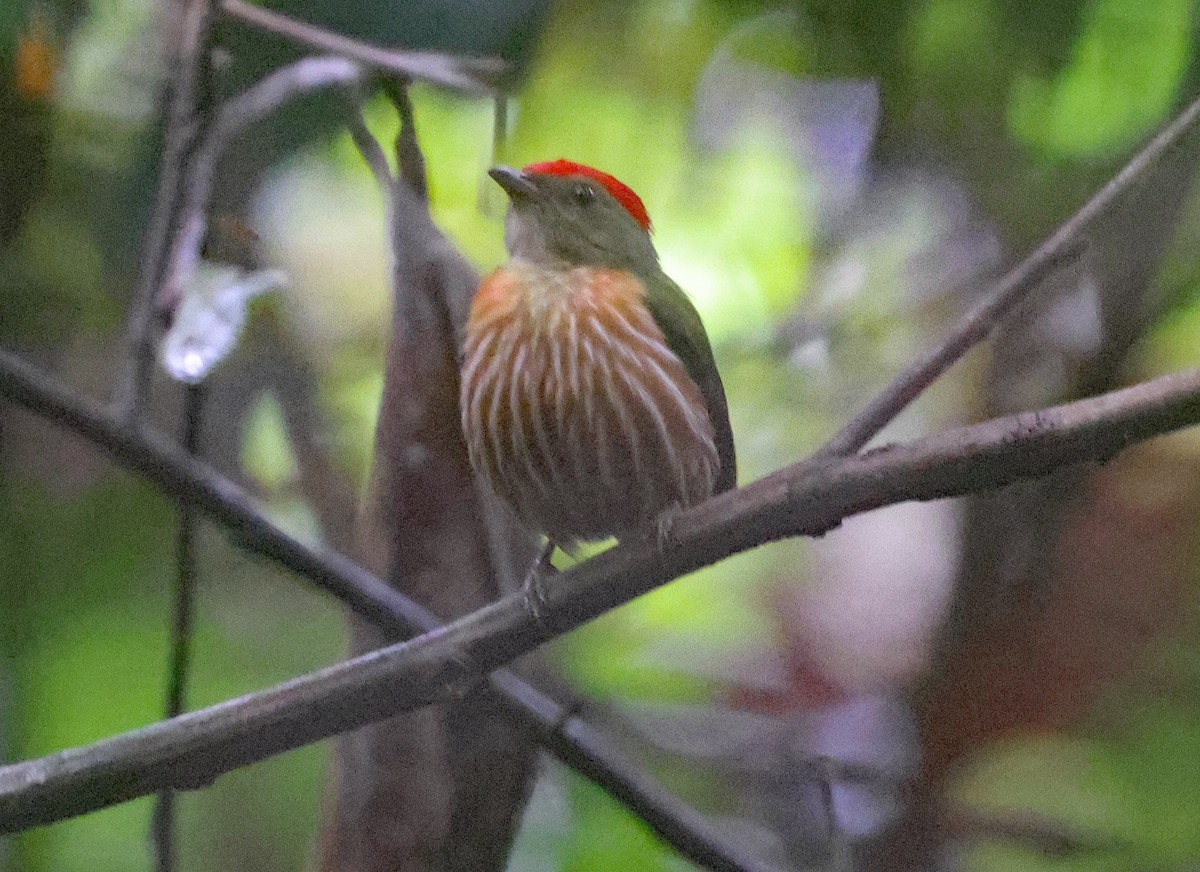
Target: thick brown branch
(474,75)
(570,738)
(1062,247)
(442,788)
(807,498)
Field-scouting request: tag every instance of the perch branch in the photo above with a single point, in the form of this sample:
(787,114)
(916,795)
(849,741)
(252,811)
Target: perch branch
(805,498)
(1061,248)
(570,738)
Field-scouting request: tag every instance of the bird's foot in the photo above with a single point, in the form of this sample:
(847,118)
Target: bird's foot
(532,587)
(664,523)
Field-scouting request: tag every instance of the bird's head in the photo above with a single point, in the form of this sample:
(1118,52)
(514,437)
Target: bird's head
(566,213)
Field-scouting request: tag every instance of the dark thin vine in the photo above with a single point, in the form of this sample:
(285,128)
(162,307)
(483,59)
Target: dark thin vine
(183,617)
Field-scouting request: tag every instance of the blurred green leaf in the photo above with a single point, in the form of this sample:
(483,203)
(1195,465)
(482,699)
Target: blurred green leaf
(1123,75)
(266,451)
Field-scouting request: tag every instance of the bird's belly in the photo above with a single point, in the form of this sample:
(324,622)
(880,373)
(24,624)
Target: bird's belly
(588,431)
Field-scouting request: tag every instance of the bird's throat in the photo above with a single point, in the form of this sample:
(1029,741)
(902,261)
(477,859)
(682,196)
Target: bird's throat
(540,296)
(525,240)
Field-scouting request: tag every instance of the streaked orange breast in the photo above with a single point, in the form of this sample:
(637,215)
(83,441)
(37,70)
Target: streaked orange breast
(574,407)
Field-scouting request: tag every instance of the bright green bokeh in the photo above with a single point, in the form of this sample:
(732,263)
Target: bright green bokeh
(952,35)
(1121,80)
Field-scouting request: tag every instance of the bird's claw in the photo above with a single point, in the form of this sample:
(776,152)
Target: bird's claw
(532,590)
(663,524)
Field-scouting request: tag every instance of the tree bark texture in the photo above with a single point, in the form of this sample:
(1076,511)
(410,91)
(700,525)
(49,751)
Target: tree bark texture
(441,788)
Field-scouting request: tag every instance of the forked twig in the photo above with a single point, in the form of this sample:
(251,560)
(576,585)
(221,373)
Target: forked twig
(255,104)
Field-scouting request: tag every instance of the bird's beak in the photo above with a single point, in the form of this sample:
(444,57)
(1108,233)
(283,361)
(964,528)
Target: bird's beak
(515,183)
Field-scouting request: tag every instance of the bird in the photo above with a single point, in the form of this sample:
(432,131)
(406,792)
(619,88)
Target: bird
(590,399)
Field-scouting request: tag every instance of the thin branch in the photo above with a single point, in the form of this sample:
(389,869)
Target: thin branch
(803,499)
(500,129)
(473,75)
(1064,246)
(410,160)
(370,149)
(1053,838)
(182,129)
(372,154)
(256,103)
(163,822)
(570,738)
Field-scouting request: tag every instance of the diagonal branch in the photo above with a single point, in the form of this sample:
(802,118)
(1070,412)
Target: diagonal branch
(570,738)
(805,498)
(473,75)
(1060,249)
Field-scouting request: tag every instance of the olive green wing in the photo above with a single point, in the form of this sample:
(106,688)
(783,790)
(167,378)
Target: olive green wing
(685,334)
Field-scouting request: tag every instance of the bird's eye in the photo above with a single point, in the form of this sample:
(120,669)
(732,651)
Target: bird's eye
(584,194)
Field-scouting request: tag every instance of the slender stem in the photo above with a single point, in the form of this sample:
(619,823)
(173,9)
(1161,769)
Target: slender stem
(1061,248)
(163,824)
(372,153)
(410,160)
(184,123)
(500,129)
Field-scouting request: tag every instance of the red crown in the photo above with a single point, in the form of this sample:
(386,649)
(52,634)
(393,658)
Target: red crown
(622,192)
